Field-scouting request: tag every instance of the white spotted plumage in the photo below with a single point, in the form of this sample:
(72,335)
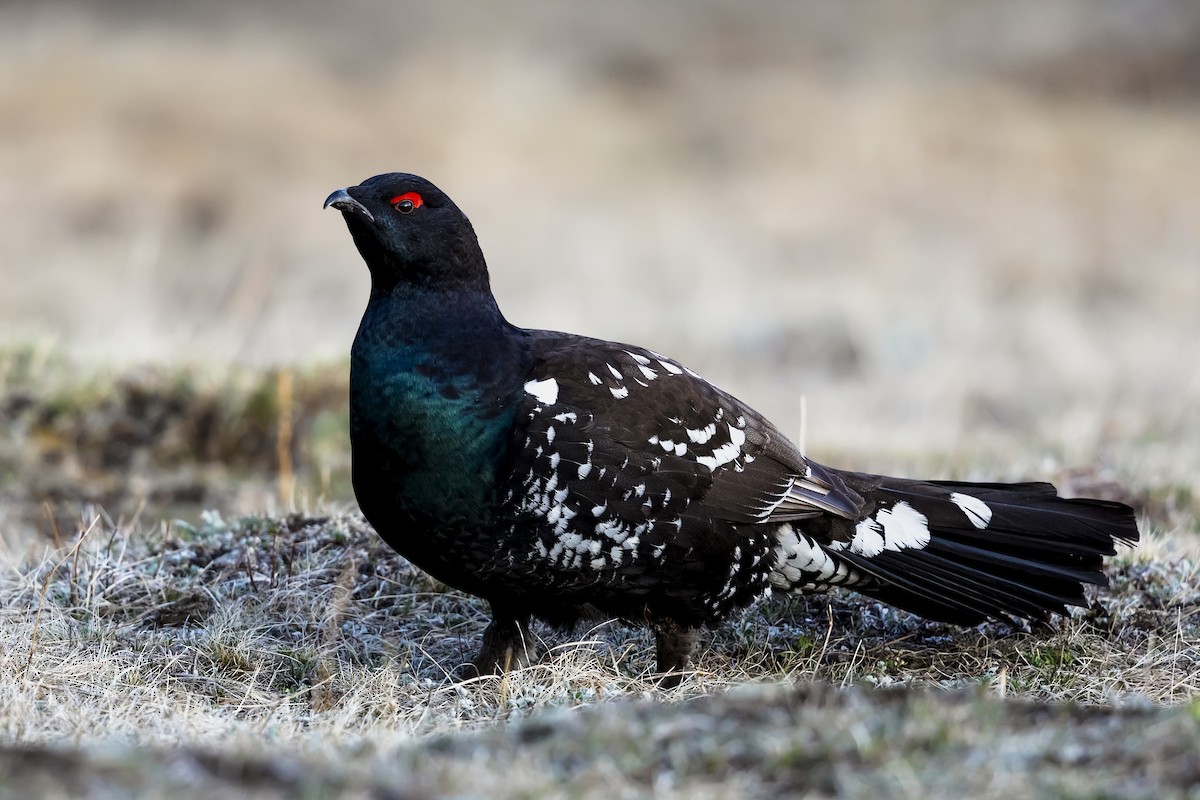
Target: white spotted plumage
(604,513)
(559,476)
(802,564)
(900,527)
(714,445)
(577,534)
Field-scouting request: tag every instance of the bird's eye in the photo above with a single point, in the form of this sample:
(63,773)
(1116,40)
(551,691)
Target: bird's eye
(405,203)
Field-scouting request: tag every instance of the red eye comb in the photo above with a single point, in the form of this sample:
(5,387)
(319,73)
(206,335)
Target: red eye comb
(412,197)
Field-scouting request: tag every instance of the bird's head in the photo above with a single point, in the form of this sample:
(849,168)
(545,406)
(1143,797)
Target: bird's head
(410,233)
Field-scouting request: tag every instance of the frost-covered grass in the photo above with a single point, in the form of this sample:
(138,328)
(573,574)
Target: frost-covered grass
(305,648)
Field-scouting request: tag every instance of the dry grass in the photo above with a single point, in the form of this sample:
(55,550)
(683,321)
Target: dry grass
(305,641)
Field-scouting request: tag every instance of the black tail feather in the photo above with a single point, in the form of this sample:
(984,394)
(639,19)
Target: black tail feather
(1031,557)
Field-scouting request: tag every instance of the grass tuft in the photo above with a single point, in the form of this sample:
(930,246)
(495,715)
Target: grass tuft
(311,623)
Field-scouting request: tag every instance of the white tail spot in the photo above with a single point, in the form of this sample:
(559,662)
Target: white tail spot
(976,510)
(868,538)
(903,527)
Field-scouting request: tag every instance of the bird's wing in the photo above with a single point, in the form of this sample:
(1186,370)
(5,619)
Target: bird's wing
(612,429)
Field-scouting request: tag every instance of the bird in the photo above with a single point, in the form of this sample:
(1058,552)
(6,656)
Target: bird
(566,478)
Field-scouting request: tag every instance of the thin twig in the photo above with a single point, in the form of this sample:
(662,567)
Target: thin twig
(828,636)
(58,545)
(287,480)
(37,618)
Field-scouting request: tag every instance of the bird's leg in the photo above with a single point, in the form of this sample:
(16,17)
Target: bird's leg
(674,645)
(507,644)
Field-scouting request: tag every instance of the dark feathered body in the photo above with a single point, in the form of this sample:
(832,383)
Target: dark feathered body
(430,424)
(560,476)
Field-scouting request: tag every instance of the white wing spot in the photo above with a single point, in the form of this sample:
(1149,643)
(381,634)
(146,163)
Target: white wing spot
(671,368)
(614,372)
(546,391)
(976,510)
(620,393)
(594,378)
(702,435)
(737,436)
(721,456)
(641,359)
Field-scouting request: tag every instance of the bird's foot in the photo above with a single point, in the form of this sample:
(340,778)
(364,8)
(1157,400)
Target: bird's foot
(507,645)
(674,645)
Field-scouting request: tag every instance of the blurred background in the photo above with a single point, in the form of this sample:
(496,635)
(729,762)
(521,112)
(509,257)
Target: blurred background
(967,234)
